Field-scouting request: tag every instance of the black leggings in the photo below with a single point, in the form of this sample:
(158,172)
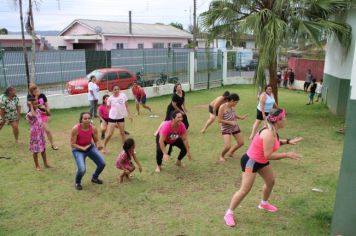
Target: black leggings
(178,143)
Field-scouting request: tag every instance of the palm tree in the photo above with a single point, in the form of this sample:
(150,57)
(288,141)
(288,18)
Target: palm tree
(272,22)
(23,43)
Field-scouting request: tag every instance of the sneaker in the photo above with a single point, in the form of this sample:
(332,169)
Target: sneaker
(268,207)
(229,220)
(78,187)
(96,181)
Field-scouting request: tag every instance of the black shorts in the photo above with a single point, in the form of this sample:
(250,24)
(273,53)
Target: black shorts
(259,115)
(116,120)
(211,110)
(250,166)
(106,120)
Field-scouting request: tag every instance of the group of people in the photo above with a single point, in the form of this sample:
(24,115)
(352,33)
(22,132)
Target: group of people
(173,131)
(310,83)
(285,77)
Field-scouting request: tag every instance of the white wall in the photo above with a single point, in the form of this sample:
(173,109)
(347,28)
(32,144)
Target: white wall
(336,64)
(62,101)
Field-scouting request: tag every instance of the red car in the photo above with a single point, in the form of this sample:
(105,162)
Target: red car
(106,78)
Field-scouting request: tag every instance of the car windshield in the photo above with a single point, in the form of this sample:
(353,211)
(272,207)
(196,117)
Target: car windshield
(96,73)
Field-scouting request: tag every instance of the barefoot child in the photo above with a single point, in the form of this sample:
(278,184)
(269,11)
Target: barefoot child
(123,161)
(37,137)
(229,127)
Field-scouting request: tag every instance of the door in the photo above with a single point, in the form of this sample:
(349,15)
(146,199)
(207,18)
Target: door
(108,80)
(125,79)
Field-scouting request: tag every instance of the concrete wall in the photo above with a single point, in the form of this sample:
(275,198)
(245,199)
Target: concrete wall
(338,70)
(63,101)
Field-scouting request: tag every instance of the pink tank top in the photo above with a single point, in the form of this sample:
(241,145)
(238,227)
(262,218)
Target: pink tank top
(84,136)
(256,152)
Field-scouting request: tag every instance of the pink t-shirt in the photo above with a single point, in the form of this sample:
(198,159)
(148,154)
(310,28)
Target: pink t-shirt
(138,92)
(104,111)
(256,150)
(84,137)
(170,133)
(118,108)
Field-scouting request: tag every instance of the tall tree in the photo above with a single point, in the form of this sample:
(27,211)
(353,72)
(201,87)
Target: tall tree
(3,31)
(30,28)
(24,43)
(274,21)
(177,25)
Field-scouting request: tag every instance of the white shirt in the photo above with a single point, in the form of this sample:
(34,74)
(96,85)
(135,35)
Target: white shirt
(95,89)
(319,88)
(117,106)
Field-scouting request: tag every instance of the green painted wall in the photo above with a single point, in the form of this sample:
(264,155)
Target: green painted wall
(338,92)
(344,219)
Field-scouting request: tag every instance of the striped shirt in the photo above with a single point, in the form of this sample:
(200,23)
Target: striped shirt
(229,115)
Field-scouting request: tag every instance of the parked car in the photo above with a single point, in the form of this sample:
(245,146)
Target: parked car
(106,78)
(251,65)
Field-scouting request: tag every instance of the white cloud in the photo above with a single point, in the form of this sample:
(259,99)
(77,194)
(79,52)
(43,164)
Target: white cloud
(56,15)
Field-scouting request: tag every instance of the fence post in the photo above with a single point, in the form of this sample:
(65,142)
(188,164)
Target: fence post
(224,67)
(191,69)
(2,54)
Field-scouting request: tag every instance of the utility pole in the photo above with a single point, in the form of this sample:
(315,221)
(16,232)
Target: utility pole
(195,24)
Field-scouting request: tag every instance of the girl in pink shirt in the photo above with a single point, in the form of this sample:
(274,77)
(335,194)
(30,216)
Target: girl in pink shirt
(123,161)
(263,148)
(172,132)
(103,112)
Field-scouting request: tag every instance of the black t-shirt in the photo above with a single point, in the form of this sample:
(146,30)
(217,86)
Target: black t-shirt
(42,99)
(313,88)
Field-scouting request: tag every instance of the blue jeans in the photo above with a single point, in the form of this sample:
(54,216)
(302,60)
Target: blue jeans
(94,155)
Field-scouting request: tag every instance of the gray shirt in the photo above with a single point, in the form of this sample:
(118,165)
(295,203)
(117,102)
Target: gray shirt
(308,78)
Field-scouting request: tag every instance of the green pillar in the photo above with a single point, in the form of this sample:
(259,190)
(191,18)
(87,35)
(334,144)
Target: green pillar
(344,218)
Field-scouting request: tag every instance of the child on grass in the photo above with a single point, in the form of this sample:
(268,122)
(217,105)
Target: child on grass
(312,92)
(319,88)
(37,137)
(123,161)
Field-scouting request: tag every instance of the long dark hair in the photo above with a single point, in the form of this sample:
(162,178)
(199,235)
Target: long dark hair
(233,97)
(91,78)
(82,114)
(226,94)
(128,144)
(105,96)
(175,87)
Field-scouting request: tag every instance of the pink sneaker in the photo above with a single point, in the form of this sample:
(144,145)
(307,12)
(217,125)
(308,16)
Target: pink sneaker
(268,207)
(229,220)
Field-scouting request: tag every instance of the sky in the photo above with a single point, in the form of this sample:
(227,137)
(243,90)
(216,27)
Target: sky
(57,14)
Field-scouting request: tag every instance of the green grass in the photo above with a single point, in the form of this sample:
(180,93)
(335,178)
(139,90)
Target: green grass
(188,201)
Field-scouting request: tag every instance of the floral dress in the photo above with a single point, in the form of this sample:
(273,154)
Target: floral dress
(10,107)
(123,161)
(37,136)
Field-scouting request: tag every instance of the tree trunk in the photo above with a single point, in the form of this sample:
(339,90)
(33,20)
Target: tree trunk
(273,78)
(33,36)
(24,46)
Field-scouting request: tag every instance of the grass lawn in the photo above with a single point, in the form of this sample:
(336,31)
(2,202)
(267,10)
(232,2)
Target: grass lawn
(187,201)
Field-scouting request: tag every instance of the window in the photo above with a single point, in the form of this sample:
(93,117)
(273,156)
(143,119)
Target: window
(176,45)
(119,46)
(112,76)
(158,45)
(62,47)
(124,75)
(140,46)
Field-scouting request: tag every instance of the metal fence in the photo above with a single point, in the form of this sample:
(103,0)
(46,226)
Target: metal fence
(55,68)
(208,69)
